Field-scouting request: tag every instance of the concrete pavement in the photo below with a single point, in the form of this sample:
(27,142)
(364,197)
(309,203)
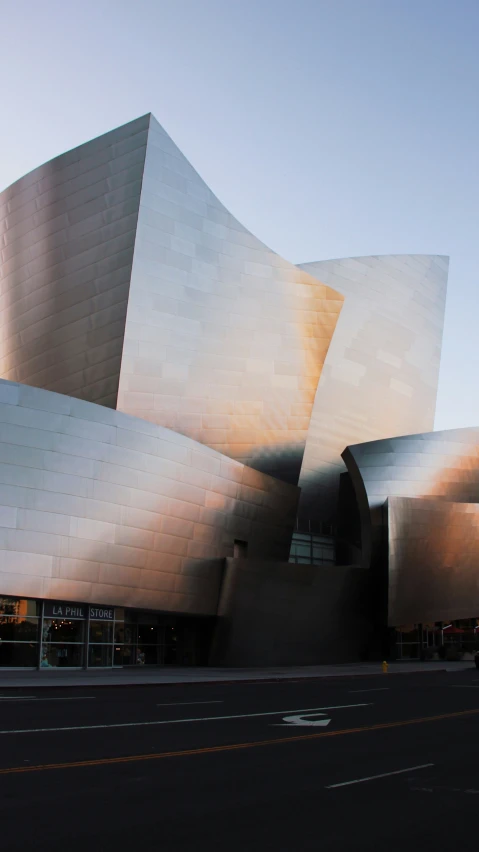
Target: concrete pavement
(171,675)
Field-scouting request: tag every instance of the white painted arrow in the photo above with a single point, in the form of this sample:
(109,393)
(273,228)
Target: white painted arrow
(303,720)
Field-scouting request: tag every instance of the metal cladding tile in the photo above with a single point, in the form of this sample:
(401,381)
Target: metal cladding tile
(205,533)
(171,544)
(158,581)
(74,569)
(177,527)
(119,575)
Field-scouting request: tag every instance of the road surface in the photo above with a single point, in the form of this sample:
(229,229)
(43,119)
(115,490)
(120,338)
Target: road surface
(360,763)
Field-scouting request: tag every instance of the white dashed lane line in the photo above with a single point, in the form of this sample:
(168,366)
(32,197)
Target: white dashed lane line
(383,775)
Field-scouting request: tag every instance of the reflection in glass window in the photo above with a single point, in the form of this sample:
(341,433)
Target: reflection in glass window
(18,606)
(18,629)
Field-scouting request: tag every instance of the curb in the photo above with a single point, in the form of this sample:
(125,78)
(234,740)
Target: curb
(304,679)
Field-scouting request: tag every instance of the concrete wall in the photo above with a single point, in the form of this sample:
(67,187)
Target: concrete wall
(277,613)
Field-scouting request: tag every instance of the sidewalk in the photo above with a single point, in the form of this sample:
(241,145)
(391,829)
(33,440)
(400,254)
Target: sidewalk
(169,675)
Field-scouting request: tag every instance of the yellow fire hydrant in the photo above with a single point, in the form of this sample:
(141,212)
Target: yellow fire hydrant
(385,667)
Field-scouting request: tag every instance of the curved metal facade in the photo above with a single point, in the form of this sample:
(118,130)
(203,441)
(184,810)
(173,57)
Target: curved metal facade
(381,371)
(224,341)
(433,560)
(98,506)
(67,234)
(126,282)
(443,465)
(421,493)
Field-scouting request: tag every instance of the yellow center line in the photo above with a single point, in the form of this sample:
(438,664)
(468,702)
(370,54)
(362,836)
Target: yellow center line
(105,761)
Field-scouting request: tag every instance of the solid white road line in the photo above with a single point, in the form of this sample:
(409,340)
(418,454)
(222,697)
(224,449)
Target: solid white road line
(383,775)
(177,721)
(183,703)
(378,689)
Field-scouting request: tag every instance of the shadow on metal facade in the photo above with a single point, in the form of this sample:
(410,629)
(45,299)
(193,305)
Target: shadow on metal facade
(381,371)
(99,506)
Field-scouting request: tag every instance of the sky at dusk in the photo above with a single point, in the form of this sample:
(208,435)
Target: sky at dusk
(329,128)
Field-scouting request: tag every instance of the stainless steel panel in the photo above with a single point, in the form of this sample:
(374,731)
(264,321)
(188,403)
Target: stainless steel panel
(381,371)
(147,538)
(431,523)
(433,560)
(67,235)
(224,340)
(446,465)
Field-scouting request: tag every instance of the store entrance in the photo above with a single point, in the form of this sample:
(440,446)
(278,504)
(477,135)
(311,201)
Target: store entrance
(152,639)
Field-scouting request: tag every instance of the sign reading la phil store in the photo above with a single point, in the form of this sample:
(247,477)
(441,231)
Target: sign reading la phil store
(64,609)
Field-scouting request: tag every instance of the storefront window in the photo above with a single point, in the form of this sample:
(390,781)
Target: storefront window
(147,655)
(63,635)
(147,635)
(19,654)
(101,631)
(119,636)
(72,635)
(99,655)
(125,655)
(130,634)
(62,630)
(19,632)
(61,655)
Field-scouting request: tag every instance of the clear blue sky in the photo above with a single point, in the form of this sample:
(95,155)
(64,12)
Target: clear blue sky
(330,128)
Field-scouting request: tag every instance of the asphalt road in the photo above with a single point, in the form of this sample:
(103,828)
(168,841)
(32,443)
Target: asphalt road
(365,763)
